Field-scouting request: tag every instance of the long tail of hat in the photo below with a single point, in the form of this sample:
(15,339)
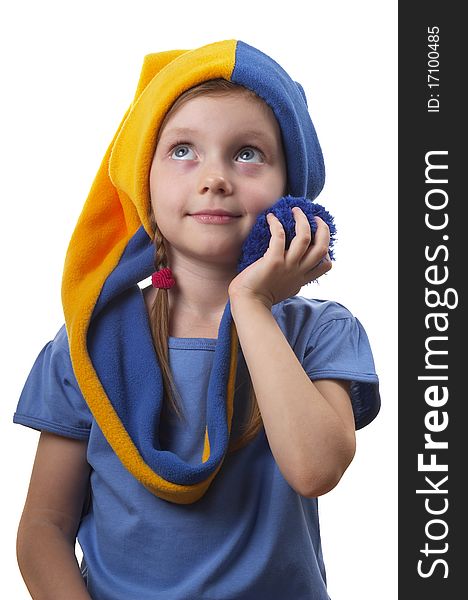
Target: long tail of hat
(97,269)
(111,251)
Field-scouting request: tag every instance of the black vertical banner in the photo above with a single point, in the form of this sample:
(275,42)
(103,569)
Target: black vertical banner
(432,330)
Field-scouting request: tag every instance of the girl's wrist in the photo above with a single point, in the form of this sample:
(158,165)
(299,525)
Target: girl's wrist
(246,300)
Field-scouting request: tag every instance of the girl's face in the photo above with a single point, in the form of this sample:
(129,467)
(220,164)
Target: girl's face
(216,153)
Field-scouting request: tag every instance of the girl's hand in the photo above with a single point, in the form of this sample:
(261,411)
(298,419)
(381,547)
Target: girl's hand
(280,274)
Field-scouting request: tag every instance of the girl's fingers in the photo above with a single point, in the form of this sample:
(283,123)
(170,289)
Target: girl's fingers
(302,249)
(278,236)
(320,246)
(317,260)
(321,268)
(303,238)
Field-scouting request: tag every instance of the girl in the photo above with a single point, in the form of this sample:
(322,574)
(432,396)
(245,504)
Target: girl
(187,428)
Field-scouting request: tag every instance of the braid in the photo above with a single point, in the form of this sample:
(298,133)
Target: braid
(159,320)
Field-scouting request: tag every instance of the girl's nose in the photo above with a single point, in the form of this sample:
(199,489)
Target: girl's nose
(215,183)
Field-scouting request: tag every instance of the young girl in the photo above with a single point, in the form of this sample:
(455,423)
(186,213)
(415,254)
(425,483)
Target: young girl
(187,428)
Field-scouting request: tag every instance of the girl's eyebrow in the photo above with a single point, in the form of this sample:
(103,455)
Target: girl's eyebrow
(258,134)
(180,130)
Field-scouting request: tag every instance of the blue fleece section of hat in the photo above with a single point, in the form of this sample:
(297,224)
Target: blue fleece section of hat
(261,74)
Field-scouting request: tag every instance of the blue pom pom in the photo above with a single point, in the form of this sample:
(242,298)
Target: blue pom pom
(258,239)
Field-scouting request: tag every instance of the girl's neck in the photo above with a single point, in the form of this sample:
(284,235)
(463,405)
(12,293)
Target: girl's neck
(196,302)
(201,290)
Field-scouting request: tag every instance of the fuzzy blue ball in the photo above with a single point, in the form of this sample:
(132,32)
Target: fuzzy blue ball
(258,239)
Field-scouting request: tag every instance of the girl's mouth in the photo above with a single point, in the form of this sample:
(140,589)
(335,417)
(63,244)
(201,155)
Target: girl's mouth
(214,219)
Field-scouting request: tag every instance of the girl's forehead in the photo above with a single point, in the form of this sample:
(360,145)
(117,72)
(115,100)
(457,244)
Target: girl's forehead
(242,109)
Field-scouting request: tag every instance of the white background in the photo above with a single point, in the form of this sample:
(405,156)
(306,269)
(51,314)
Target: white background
(68,73)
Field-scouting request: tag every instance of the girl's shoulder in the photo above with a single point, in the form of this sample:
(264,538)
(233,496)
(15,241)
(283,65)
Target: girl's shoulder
(308,320)
(314,311)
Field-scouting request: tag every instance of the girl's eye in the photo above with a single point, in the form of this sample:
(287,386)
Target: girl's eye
(182,152)
(250,155)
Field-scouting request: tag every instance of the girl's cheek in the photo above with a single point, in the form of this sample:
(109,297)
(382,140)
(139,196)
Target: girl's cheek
(181,167)
(251,169)
(265,194)
(260,203)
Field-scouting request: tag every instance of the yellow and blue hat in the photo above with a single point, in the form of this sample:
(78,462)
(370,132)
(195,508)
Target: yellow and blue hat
(112,250)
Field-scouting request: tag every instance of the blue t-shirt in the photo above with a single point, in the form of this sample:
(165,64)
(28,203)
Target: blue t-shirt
(251,536)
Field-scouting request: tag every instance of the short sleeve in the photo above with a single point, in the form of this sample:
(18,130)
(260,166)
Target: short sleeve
(340,349)
(332,344)
(51,399)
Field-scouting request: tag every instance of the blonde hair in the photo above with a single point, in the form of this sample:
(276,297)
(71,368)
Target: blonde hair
(159,312)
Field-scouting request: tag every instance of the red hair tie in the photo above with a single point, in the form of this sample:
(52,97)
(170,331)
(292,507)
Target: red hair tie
(163,278)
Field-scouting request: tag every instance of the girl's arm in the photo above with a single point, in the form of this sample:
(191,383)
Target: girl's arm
(309,425)
(47,530)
